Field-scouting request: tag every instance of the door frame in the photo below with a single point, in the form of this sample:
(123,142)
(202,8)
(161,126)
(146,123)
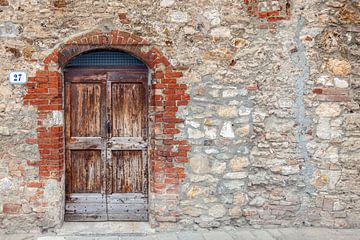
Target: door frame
(107,69)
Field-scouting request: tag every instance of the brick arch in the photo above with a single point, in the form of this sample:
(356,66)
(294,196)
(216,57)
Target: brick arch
(168,154)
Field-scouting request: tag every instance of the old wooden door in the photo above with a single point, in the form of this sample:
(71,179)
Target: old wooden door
(106,144)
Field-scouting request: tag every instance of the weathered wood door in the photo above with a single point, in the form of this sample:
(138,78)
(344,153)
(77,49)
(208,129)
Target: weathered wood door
(106,144)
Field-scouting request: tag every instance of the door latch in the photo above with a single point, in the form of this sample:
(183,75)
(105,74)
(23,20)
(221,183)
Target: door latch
(108,127)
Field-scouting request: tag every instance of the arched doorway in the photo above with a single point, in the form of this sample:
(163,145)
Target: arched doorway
(106,137)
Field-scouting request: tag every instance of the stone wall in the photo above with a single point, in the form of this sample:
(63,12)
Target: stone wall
(273,116)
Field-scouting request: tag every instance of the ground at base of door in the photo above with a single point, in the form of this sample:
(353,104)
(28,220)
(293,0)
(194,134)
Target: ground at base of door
(240,234)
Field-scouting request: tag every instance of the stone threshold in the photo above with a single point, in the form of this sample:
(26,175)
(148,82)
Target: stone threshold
(104,228)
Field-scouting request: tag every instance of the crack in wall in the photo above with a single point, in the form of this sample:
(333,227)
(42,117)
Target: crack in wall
(299,59)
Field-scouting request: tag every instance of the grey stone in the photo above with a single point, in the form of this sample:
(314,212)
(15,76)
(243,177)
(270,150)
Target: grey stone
(227,111)
(227,130)
(217,235)
(236,175)
(9,29)
(218,167)
(190,235)
(222,32)
(257,201)
(167,3)
(195,134)
(262,235)
(179,17)
(199,164)
(234,185)
(217,211)
(328,110)
(239,163)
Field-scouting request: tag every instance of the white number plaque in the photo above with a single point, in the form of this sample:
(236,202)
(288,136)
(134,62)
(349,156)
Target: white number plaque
(18,77)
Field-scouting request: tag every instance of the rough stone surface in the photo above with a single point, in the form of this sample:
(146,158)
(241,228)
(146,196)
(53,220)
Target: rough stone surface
(273,91)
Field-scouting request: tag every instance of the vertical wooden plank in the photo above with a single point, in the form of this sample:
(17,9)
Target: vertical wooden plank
(86,171)
(128,172)
(104,135)
(127,110)
(85,109)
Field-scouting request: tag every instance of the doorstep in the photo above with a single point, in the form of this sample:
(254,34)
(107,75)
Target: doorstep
(104,228)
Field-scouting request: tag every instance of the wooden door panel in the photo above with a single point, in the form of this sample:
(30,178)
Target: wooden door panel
(127,206)
(86,207)
(128,172)
(85,110)
(86,171)
(127,110)
(85,113)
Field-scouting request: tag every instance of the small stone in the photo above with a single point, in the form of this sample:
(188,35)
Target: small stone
(243,131)
(5,91)
(166,3)
(257,202)
(289,170)
(339,67)
(239,163)
(227,112)
(179,17)
(221,32)
(218,167)
(328,110)
(16,52)
(195,134)
(227,130)
(323,129)
(328,204)
(244,111)
(218,54)
(224,156)
(338,206)
(210,132)
(201,178)
(199,164)
(240,42)
(217,211)
(5,183)
(230,93)
(340,83)
(192,211)
(9,29)
(194,124)
(189,30)
(234,185)
(4,3)
(4,131)
(28,52)
(240,199)
(214,93)
(211,151)
(236,175)
(214,16)
(235,211)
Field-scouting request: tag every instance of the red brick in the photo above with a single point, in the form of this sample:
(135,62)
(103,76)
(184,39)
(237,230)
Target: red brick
(182,103)
(33,184)
(11,208)
(173,120)
(173,74)
(171,131)
(184,148)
